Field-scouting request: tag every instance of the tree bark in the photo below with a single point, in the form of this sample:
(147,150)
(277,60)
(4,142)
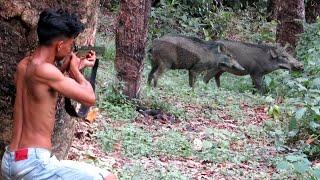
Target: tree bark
(18,21)
(131,36)
(290,14)
(271,10)
(312,10)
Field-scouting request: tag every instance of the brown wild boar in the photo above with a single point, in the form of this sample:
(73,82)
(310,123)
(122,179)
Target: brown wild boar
(257,61)
(193,54)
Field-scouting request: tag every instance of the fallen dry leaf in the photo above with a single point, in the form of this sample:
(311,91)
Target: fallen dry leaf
(310,140)
(92,115)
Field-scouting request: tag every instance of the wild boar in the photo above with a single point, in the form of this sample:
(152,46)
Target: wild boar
(257,60)
(193,54)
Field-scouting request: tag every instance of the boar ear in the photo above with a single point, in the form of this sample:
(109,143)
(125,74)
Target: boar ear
(221,48)
(273,53)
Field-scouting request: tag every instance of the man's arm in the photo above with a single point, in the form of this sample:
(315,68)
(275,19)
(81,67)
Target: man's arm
(65,65)
(87,61)
(78,89)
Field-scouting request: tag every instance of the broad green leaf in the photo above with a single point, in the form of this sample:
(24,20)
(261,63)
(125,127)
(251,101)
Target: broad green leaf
(316,110)
(300,113)
(283,165)
(301,166)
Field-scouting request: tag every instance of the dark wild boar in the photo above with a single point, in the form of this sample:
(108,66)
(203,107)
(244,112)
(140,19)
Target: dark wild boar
(193,54)
(257,60)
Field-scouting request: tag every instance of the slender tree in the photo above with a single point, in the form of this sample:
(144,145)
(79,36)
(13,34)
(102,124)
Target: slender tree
(131,37)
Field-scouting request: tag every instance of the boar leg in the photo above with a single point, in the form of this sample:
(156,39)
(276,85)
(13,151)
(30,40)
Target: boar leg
(217,78)
(257,82)
(151,74)
(192,77)
(158,72)
(209,76)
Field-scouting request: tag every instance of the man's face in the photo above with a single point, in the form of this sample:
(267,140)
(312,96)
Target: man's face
(64,48)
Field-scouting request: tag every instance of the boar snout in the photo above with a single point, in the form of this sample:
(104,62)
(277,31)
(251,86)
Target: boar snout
(292,66)
(237,66)
(297,67)
(230,64)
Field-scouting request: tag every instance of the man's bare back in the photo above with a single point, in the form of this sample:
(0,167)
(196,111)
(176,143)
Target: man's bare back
(34,111)
(38,80)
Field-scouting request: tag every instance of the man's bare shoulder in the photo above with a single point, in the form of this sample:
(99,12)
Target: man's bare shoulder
(22,65)
(21,69)
(48,72)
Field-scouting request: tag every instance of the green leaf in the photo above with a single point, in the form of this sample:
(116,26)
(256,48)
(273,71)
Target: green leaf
(293,124)
(293,158)
(316,173)
(267,80)
(300,113)
(283,165)
(314,125)
(301,167)
(315,84)
(293,132)
(274,111)
(316,109)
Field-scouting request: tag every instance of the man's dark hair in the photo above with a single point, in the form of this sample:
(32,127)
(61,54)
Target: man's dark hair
(57,24)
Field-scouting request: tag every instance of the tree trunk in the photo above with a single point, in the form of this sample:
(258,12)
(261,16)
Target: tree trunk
(271,10)
(290,15)
(312,10)
(18,20)
(155,3)
(131,36)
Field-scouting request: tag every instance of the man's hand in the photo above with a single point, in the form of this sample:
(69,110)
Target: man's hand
(74,65)
(88,60)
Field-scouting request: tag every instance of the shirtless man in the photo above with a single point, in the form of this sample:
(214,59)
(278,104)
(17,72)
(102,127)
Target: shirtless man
(38,81)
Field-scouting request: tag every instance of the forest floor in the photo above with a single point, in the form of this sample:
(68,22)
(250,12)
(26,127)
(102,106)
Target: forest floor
(200,133)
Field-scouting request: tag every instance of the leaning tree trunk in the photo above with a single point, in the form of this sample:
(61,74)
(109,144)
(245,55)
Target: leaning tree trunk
(131,39)
(312,10)
(18,20)
(290,14)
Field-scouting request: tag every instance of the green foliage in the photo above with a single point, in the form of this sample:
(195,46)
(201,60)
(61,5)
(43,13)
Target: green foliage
(110,52)
(116,104)
(151,98)
(109,44)
(274,111)
(173,143)
(140,172)
(108,138)
(134,141)
(301,93)
(299,165)
(203,19)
